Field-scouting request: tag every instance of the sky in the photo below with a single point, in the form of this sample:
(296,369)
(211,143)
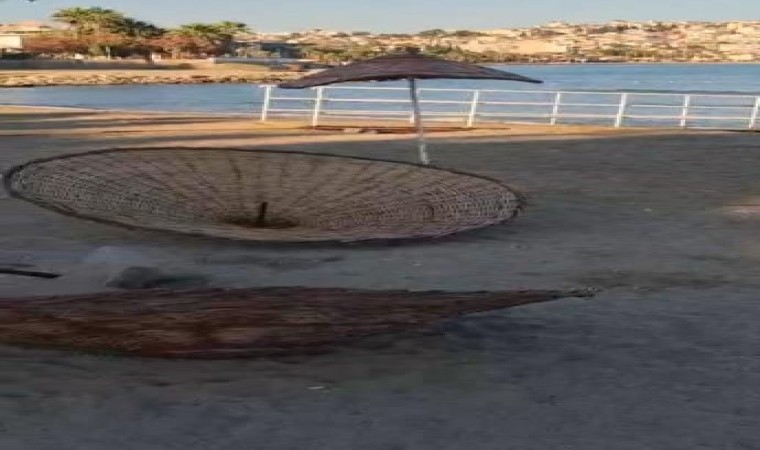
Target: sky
(395,15)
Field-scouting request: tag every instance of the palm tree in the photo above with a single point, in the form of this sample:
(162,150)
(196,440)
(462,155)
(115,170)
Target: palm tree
(94,23)
(139,29)
(76,18)
(90,20)
(227,32)
(203,30)
(219,34)
(232,28)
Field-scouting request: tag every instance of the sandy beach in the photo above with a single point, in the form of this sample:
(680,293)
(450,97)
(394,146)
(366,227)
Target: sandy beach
(665,222)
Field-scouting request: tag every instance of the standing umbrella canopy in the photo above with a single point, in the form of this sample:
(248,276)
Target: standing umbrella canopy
(410,66)
(402,67)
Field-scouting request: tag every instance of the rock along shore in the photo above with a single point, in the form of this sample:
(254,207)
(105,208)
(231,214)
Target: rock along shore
(11,79)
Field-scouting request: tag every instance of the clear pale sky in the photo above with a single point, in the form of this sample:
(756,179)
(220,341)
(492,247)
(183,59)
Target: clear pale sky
(396,15)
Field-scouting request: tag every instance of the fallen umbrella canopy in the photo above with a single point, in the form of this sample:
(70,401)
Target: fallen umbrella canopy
(220,323)
(263,195)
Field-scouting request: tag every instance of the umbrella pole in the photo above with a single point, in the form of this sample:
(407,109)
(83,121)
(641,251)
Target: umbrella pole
(421,144)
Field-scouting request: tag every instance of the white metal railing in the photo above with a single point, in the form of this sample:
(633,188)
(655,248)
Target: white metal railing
(472,106)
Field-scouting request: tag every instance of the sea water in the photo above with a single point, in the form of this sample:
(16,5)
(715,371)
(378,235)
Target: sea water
(737,79)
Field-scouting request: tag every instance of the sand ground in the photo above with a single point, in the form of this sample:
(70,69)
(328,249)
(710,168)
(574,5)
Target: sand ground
(666,222)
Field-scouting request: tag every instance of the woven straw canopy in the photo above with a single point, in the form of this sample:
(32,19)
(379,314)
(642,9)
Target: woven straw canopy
(402,67)
(263,195)
(221,323)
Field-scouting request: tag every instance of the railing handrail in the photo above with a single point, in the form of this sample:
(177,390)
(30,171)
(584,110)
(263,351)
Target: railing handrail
(685,107)
(525,91)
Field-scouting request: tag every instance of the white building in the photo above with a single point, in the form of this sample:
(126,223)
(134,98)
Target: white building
(12,34)
(11,43)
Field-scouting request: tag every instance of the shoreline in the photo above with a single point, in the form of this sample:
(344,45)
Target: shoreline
(9,107)
(30,78)
(50,78)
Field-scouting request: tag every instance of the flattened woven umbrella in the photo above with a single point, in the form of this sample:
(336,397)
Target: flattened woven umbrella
(408,66)
(263,195)
(221,323)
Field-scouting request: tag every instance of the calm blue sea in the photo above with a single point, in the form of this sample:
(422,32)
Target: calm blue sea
(664,78)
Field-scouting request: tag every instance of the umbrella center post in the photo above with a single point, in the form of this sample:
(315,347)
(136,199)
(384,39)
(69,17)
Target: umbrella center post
(418,122)
(261,220)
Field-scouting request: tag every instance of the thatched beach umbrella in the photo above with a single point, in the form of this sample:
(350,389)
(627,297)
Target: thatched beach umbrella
(238,323)
(410,66)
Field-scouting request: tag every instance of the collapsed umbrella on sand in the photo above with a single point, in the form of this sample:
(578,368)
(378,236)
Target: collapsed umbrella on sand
(410,66)
(233,323)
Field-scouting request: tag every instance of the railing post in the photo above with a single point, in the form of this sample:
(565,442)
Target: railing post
(317,106)
(411,115)
(473,109)
(621,110)
(755,114)
(267,102)
(685,111)
(555,108)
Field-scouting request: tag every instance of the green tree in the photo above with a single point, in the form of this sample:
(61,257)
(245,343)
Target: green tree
(90,20)
(76,18)
(183,46)
(139,29)
(436,32)
(467,33)
(232,28)
(219,35)
(99,26)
